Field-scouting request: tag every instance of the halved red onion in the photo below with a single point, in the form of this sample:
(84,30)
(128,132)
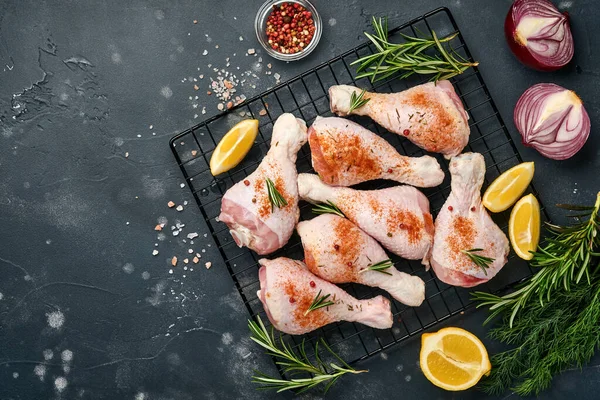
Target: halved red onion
(539,35)
(552,120)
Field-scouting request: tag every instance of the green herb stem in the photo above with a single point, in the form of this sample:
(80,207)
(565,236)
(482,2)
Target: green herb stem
(328,208)
(409,57)
(479,260)
(381,266)
(293,363)
(319,302)
(357,101)
(276,199)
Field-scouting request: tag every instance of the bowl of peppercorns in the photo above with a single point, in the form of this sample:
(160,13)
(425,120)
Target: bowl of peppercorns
(288,30)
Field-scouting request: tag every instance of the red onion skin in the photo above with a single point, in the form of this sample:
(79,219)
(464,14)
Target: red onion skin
(520,50)
(526,113)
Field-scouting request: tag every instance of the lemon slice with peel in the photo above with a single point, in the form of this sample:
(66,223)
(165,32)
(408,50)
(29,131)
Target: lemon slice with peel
(508,187)
(524,226)
(234,146)
(453,359)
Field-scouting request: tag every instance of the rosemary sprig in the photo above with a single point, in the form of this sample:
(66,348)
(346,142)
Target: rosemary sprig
(276,199)
(328,208)
(292,363)
(566,257)
(319,302)
(479,260)
(357,101)
(409,57)
(381,266)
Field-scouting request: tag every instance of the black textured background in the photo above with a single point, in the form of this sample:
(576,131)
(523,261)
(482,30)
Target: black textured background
(81,192)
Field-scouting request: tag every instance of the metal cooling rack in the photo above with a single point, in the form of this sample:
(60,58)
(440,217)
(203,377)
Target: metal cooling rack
(306,97)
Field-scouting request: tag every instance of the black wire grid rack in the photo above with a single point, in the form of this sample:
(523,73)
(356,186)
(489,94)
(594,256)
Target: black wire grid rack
(306,97)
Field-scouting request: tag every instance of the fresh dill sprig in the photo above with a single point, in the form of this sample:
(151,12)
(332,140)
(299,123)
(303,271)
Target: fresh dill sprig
(409,57)
(567,256)
(357,101)
(328,208)
(293,363)
(319,302)
(276,199)
(482,262)
(381,266)
(548,338)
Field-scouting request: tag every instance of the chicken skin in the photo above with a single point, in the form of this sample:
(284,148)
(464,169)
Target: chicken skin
(397,217)
(246,209)
(464,224)
(429,115)
(344,154)
(340,252)
(288,289)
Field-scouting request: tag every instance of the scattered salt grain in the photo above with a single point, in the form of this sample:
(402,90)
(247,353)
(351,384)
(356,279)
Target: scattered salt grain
(190,251)
(56,319)
(208,265)
(251,51)
(171,204)
(241,38)
(154,252)
(205,52)
(60,383)
(194,152)
(179,208)
(126,154)
(192,235)
(174,261)
(182,185)
(158,228)
(185,260)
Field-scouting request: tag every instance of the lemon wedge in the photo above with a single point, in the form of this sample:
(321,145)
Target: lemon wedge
(234,146)
(524,226)
(508,187)
(453,359)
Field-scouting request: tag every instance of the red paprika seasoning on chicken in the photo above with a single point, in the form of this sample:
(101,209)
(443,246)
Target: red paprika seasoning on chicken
(290,28)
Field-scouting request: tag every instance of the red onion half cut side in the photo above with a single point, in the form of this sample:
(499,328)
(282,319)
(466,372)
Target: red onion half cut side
(552,120)
(539,35)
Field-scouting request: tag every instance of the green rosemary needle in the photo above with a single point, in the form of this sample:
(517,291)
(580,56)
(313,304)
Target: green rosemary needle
(479,260)
(328,208)
(569,254)
(409,57)
(381,266)
(293,363)
(319,302)
(357,101)
(276,199)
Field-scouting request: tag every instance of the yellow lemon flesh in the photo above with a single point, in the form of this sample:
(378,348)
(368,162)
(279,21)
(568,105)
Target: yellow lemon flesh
(508,187)
(524,226)
(453,359)
(234,146)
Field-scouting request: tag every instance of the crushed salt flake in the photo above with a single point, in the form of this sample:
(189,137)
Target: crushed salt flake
(192,235)
(208,265)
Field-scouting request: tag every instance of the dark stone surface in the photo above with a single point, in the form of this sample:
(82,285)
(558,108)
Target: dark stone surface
(83,180)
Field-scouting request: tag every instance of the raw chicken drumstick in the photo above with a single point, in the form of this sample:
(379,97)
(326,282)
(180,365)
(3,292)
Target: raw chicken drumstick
(344,154)
(338,251)
(397,217)
(429,115)
(463,224)
(246,209)
(288,289)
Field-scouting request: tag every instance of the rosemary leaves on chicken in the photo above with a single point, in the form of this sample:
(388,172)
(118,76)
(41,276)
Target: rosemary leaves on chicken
(328,208)
(381,266)
(410,56)
(357,101)
(276,198)
(293,363)
(319,302)
(568,255)
(482,262)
